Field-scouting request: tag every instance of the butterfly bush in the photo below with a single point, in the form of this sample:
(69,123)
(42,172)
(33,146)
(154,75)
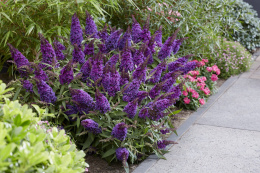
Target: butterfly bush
(113,90)
(200,84)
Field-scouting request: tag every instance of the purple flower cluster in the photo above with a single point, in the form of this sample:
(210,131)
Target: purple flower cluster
(158,37)
(78,55)
(103,35)
(46,93)
(136,31)
(58,47)
(48,54)
(114,83)
(84,102)
(113,60)
(126,38)
(127,60)
(112,41)
(122,154)
(85,70)
(28,85)
(124,79)
(131,108)
(40,74)
(97,67)
(91,126)
(145,35)
(141,95)
(138,56)
(76,33)
(66,74)
(91,28)
(131,90)
(102,103)
(70,110)
(140,72)
(157,72)
(163,143)
(89,48)
(119,131)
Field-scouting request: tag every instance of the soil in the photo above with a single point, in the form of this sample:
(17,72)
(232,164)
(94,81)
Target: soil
(99,165)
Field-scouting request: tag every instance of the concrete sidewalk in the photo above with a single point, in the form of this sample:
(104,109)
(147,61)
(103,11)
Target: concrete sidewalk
(222,136)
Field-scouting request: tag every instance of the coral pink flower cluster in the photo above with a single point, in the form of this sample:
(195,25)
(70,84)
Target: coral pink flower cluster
(196,85)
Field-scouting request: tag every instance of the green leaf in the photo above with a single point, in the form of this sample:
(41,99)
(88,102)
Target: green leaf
(29,29)
(3,13)
(89,140)
(109,152)
(17,120)
(175,112)
(6,151)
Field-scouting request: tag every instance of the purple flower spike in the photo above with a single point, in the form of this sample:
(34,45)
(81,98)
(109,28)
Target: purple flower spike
(177,45)
(146,34)
(156,90)
(124,78)
(141,95)
(162,144)
(157,72)
(84,102)
(58,47)
(126,38)
(161,105)
(91,28)
(136,31)
(78,55)
(66,74)
(175,65)
(28,85)
(112,41)
(86,69)
(40,74)
(103,35)
(20,61)
(166,49)
(140,71)
(165,131)
(46,93)
(131,90)
(113,60)
(119,131)
(122,154)
(188,67)
(89,48)
(131,108)
(143,113)
(169,84)
(158,37)
(91,126)
(102,48)
(102,103)
(114,82)
(127,60)
(70,109)
(76,33)
(106,78)
(176,90)
(139,55)
(97,67)
(48,54)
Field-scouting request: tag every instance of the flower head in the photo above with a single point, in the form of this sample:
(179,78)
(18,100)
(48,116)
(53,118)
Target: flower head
(127,37)
(131,108)
(145,35)
(122,154)
(136,31)
(214,77)
(27,85)
(89,48)
(66,74)
(86,69)
(157,72)
(119,131)
(131,90)
(91,126)
(40,74)
(112,41)
(102,103)
(114,84)
(158,37)
(46,93)
(91,28)
(58,47)
(103,35)
(113,60)
(97,67)
(186,100)
(78,55)
(127,60)
(76,33)
(163,143)
(202,102)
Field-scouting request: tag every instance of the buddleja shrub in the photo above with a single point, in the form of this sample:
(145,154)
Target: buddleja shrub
(199,85)
(111,91)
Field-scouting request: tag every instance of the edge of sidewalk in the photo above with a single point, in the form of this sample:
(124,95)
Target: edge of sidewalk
(152,159)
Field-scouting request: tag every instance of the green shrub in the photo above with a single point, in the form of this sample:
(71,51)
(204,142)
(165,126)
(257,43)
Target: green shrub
(26,147)
(232,58)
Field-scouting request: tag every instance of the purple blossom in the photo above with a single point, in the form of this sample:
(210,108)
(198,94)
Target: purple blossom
(91,126)
(102,48)
(139,55)
(157,72)
(176,46)
(102,103)
(148,53)
(146,34)
(112,40)
(163,143)
(161,105)
(126,38)
(46,93)
(84,102)
(91,28)
(28,85)
(131,90)
(176,92)
(114,84)
(158,37)
(143,113)
(85,70)
(76,33)
(127,60)
(103,35)
(78,55)
(168,84)
(40,74)
(106,78)
(188,67)
(131,108)
(156,90)
(70,110)
(140,72)
(141,95)
(66,74)
(97,67)
(175,65)
(58,47)
(165,131)
(124,79)
(122,154)
(166,49)
(119,131)
(48,54)
(89,48)
(113,60)
(136,31)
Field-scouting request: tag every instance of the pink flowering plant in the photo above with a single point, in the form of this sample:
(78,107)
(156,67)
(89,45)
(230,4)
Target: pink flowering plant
(112,91)
(232,58)
(199,85)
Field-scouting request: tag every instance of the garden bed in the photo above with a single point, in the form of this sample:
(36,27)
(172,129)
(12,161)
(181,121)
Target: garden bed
(99,165)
